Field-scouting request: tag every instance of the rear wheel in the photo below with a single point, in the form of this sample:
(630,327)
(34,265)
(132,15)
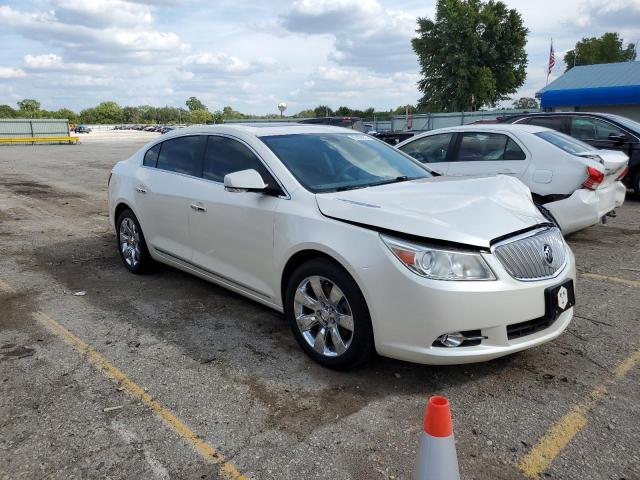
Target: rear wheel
(636,185)
(328,315)
(131,244)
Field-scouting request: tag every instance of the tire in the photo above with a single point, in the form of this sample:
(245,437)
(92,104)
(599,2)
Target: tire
(326,313)
(636,185)
(134,254)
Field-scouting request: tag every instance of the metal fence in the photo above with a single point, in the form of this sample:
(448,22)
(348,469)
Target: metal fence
(420,122)
(12,129)
(423,122)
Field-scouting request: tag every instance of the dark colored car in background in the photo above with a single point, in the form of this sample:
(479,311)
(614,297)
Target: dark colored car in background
(81,129)
(602,130)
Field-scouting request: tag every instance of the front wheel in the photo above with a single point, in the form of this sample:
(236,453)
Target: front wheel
(131,244)
(328,315)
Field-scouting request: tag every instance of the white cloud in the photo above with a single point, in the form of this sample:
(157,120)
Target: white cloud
(102,13)
(223,63)
(365,34)
(51,62)
(10,72)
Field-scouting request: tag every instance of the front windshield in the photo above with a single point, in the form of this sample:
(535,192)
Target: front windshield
(324,162)
(565,142)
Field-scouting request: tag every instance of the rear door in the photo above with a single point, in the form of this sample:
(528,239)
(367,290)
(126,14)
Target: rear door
(488,153)
(232,232)
(432,150)
(163,190)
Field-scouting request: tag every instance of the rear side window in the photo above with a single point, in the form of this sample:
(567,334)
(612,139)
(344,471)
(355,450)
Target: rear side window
(565,142)
(151,157)
(182,155)
(487,147)
(225,155)
(554,123)
(431,149)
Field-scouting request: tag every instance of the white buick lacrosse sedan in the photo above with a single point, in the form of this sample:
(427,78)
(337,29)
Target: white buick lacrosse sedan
(358,244)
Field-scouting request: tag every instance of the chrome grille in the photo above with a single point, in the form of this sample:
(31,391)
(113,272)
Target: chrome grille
(526,257)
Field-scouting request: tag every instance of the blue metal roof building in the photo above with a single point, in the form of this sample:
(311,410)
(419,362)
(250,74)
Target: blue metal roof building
(607,88)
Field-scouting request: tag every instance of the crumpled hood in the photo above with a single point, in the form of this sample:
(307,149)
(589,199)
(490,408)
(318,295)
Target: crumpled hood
(469,210)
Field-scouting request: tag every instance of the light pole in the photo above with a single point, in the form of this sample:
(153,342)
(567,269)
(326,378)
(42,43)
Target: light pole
(282,107)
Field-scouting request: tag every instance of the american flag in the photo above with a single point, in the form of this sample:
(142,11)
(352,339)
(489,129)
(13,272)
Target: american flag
(552,60)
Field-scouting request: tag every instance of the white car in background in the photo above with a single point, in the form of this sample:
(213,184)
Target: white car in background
(577,184)
(357,243)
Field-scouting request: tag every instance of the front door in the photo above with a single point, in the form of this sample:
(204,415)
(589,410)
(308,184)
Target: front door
(432,150)
(232,232)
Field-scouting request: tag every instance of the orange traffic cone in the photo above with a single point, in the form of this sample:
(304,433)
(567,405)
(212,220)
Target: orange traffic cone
(437,459)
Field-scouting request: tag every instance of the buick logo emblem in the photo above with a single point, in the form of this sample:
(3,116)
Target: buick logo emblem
(548,253)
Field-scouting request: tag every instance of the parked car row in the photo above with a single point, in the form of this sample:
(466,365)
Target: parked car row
(147,128)
(364,247)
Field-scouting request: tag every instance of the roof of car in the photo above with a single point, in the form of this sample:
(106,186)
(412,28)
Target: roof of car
(494,127)
(262,129)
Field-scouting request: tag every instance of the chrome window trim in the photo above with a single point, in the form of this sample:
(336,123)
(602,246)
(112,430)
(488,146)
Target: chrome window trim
(285,196)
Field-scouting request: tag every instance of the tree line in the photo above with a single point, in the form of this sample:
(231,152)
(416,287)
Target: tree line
(197,113)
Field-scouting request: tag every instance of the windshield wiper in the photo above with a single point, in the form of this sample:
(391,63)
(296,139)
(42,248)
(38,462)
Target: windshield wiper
(401,178)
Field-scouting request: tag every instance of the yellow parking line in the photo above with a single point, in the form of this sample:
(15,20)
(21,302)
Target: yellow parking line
(607,278)
(209,453)
(564,430)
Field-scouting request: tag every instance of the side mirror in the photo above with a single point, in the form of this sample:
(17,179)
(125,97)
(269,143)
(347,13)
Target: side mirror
(617,138)
(244,181)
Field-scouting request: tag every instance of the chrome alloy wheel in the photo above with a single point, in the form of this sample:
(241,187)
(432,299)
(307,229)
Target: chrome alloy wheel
(130,242)
(323,316)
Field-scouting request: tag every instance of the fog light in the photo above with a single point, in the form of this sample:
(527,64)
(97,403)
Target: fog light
(452,339)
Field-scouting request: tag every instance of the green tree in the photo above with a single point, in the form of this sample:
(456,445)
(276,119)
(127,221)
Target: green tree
(308,113)
(65,113)
(7,112)
(194,104)
(472,54)
(526,103)
(28,108)
(109,112)
(323,111)
(606,49)
(343,111)
(201,116)
(131,115)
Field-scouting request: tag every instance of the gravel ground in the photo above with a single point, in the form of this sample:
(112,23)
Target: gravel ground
(230,370)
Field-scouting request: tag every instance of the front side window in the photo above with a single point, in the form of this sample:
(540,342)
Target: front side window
(182,155)
(151,157)
(431,149)
(565,142)
(487,147)
(324,162)
(584,128)
(225,155)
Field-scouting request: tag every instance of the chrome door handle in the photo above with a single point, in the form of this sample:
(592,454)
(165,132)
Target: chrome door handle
(141,189)
(197,208)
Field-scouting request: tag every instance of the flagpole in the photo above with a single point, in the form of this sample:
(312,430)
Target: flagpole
(549,62)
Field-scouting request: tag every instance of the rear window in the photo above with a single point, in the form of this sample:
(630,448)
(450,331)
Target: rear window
(565,142)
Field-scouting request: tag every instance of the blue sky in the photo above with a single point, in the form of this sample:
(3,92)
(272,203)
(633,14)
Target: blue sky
(252,55)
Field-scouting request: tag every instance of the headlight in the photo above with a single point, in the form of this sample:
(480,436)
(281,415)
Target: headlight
(437,263)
